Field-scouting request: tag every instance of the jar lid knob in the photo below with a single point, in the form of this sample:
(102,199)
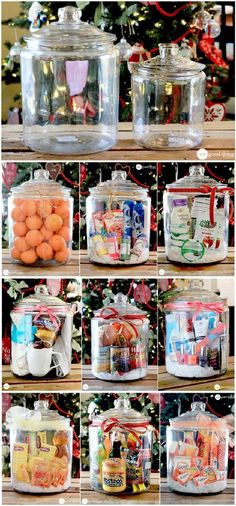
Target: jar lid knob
(118,175)
(41,174)
(41,404)
(196,283)
(122,402)
(120,299)
(41,289)
(199,403)
(196,170)
(69,14)
(168,50)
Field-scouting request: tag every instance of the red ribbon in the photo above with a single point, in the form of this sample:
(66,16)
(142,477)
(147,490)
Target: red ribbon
(42,310)
(111,423)
(217,307)
(125,317)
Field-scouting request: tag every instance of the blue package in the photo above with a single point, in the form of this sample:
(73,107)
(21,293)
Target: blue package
(128,207)
(138,219)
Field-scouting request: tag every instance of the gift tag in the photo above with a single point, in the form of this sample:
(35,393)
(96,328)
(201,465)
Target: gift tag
(54,169)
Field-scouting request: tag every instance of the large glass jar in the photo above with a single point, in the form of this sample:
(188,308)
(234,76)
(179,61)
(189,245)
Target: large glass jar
(40,217)
(168,101)
(196,219)
(70,87)
(119,341)
(197,333)
(41,449)
(120,450)
(118,222)
(197,452)
(41,335)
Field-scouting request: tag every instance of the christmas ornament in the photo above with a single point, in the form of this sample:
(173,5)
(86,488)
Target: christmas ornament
(9,174)
(15,52)
(206,45)
(36,16)
(54,169)
(212,29)
(185,50)
(214,112)
(124,48)
(138,55)
(83,173)
(142,294)
(201,19)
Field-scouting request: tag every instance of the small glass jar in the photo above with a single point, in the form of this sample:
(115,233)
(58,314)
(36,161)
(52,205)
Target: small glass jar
(118,222)
(70,87)
(168,101)
(196,219)
(41,335)
(40,221)
(120,450)
(197,452)
(197,333)
(119,341)
(41,449)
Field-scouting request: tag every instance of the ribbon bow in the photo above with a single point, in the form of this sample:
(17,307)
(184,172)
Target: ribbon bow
(42,310)
(111,423)
(113,313)
(217,307)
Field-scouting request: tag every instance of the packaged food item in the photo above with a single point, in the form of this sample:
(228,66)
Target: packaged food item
(114,475)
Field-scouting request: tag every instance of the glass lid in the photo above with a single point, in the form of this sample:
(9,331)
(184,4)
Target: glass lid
(196,293)
(40,416)
(198,418)
(118,184)
(169,63)
(70,31)
(195,179)
(121,306)
(42,297)
(122,411)
(41,186)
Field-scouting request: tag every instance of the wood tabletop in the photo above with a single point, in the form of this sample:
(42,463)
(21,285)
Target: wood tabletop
(218,140)
(218,383)
(71,383)
(166,268)
(89,496)
(16,269)
(10,496)
(225,497)
(148,269)
(146,384)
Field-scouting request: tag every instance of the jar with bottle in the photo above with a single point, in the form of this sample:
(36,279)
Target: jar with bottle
(119,341)
(196,218)
(41,335)
(197,333)
(120,450)
(70,87)
(118,222)
(197,451)
(41,449)
(40,217)
(168,101)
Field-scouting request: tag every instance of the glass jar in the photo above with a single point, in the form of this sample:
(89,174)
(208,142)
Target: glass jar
(41,449)
(197,333)
(118,222)
(197,452)
(70,87)
(196,219)
(40,221)
(168,101)
(119,341)
(120,450)
(41,335)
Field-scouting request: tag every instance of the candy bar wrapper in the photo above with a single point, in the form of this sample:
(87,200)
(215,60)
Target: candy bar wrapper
(46,330)
(98,222)
(114,222)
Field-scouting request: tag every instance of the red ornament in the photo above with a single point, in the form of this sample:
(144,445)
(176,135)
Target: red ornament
(214,112)
(76,217)
(154,220)
(83,173)
(76,450)
(206,45)
(9,174)
(142,294)
(139,54)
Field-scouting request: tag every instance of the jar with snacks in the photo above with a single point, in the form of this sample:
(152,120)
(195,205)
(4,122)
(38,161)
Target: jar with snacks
(41,449)
(41,335)
(120,449)
(196,218)
(120,338)
(118,222)
(197,333)
(197,451)
(40,222)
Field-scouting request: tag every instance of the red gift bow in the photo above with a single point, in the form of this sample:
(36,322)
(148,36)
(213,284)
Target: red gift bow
(204,189)
(125,317)
(111,423)
(217,307)
(42,310)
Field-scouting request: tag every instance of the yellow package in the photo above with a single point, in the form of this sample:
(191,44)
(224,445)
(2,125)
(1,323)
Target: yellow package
(20,456)
(47,451)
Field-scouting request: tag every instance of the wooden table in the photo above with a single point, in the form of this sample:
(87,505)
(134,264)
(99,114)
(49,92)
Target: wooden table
(217,384)
(218,140)
(166,268)
(225,497)
(10,496)
(71,383)
(89,496)
(69,270)
(142,385)
(147,270)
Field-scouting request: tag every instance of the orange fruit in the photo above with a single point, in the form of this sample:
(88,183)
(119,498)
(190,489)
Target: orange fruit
(18,201)
(63,211)
(58,202)
(65,233)
(15,253)
(57,242)
(34,222)
(62,255)
(34,237)
(21,244)
(29,257)
(44,208)
(18,214)
(53,222)
(44,251)
(19,229)
(28,207)
(46,233)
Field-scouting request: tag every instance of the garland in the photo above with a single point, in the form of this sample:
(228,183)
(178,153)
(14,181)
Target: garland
(170,14)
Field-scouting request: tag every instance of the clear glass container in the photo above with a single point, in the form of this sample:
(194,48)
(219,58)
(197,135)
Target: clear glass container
(41,449)
(120,450)
(41,335)
(196,219)
(118,222)
(197,452)
(40,217)
(70,87)
(197,333)
(168,101)
(119,341)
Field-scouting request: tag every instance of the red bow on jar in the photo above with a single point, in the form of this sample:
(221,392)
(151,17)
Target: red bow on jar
(42,310)
(113,423)
(217,307)
(114,314)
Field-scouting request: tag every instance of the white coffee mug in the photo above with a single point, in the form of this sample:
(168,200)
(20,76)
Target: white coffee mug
(39,360)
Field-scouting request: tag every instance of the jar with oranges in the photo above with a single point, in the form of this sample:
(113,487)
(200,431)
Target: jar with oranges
(40,222)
